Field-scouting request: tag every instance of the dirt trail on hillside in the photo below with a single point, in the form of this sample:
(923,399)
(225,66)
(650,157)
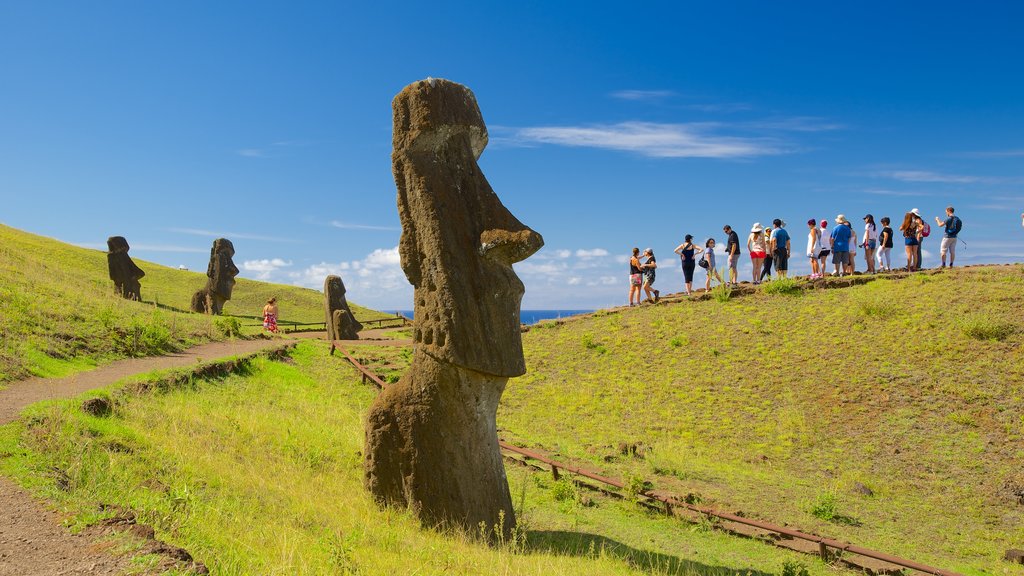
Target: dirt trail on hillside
(32,540)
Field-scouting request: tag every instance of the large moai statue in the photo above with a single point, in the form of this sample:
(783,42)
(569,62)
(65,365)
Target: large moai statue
(220,281)
(122,269)
(341,323)
(431,438)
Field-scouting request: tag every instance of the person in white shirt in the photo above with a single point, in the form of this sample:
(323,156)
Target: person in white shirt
(870,242)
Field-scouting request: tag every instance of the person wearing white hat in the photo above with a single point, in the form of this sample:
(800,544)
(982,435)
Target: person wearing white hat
(758,250)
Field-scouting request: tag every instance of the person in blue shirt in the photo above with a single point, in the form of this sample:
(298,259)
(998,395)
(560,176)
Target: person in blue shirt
(840,245)
(780,247)
(952,225)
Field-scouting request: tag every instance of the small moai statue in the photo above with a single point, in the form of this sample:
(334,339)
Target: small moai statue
(341,323)
(123,270)
(220,281)
(431,438)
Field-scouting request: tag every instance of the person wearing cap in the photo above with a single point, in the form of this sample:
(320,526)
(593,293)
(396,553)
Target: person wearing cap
(780,247)
(952,226)
(870,242)
(813,247)
(826,247)
(758,250)
(732,249)
(648,267)
(841,245)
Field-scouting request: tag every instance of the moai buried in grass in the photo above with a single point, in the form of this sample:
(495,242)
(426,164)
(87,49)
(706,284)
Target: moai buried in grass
(431,438)
(341,323)
(123,270)
(220,281)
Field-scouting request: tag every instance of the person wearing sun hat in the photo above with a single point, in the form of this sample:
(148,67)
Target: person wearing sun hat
(841,245)
(758,250)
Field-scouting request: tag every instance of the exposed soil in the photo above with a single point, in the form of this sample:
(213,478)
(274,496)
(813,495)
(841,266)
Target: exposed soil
(32,540)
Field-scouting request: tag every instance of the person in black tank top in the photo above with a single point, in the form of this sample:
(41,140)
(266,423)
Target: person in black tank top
(635,277)
(688,253)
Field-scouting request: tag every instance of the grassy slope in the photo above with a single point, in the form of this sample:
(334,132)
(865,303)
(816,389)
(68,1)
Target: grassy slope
(261,474)
(774,404)
(58,312)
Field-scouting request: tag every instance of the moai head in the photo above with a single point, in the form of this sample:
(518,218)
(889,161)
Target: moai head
(222,270)
(341,324)
(122,270)
(458,241)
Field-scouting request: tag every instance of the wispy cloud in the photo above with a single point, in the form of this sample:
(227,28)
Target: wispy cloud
(796,124)
(932,177)
(270,150)
(229,235)
(725,107)
(146,247)
(1017,153)
(350,226)
(593,253)
(642,94)
(884,192)
(693,140)
(266,267)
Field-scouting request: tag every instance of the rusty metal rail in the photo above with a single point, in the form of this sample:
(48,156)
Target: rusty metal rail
(825,545)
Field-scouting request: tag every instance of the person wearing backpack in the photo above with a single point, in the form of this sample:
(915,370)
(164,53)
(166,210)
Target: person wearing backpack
(952,226)
(924,230)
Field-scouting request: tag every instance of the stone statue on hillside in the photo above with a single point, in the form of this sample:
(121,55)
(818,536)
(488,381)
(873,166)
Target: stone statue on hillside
(431,438)
(341,323)
(122,270)
(220,281)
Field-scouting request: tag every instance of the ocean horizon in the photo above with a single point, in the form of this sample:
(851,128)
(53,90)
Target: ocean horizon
(525,316)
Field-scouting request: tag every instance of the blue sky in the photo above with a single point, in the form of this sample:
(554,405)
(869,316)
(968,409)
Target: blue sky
(612,125)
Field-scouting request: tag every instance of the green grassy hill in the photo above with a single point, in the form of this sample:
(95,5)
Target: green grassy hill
(58,311)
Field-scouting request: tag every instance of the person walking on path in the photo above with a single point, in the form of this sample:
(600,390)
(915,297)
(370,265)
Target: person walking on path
(885,246)
(766,270)
(841,245)
(952,226)
(813,247)
(649,274)
(687,253)
(635,277)
(709,259)
(758,250)
(826,247)
(909,230)
(870,242)
(270,315)
(924,230)
(732,249)
(780,247)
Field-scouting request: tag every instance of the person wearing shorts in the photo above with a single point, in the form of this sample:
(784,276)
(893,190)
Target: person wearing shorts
(635,277)
(649,275)
(952,226)
(841,245)
(732,248)
(780,247)
(758,250)
(910,243)
(826,247)
(870,242)
(813,247)
(709,257)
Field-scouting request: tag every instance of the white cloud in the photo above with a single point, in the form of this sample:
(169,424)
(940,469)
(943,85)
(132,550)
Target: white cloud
(574,281)
(228,235)
(610,280)
(796,124)
(349,226)
(884,192)
(146,247)
(996,154)
(251,153)
(266,267)
(931,177)
(693,140)
(563,253)
(642,94)
(594,253)
(376,280)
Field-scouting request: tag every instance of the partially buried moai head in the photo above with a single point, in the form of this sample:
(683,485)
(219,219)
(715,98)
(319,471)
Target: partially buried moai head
(458,240)
(222,270)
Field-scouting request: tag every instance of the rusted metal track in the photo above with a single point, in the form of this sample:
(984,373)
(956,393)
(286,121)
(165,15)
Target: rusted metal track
(826,546)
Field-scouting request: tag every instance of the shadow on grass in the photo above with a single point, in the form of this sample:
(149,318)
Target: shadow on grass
(585,545)
(164,306)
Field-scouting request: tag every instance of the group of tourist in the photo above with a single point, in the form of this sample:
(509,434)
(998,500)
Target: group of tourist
(772,247)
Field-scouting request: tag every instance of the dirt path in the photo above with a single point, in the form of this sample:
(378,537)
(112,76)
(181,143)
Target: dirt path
(32,540)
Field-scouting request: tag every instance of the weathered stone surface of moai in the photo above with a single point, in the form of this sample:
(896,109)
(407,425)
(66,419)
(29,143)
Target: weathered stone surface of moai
(341,323)
(431,438)
(220,281)
(123,270)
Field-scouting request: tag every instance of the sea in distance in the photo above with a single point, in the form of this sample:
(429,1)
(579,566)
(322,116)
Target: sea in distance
(525,316)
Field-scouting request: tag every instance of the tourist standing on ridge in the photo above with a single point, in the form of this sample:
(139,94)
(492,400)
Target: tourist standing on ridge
(813,247)
(885,246)
(270,315)
(841,245)
(851,261)
(870,242)
(758,250)
(732,249)
(709,259)
(766,270)
(924,230)
(635,276)
(780,247)
(649,266)
(826,246)
(952,226)
(909,229)
(687,251)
